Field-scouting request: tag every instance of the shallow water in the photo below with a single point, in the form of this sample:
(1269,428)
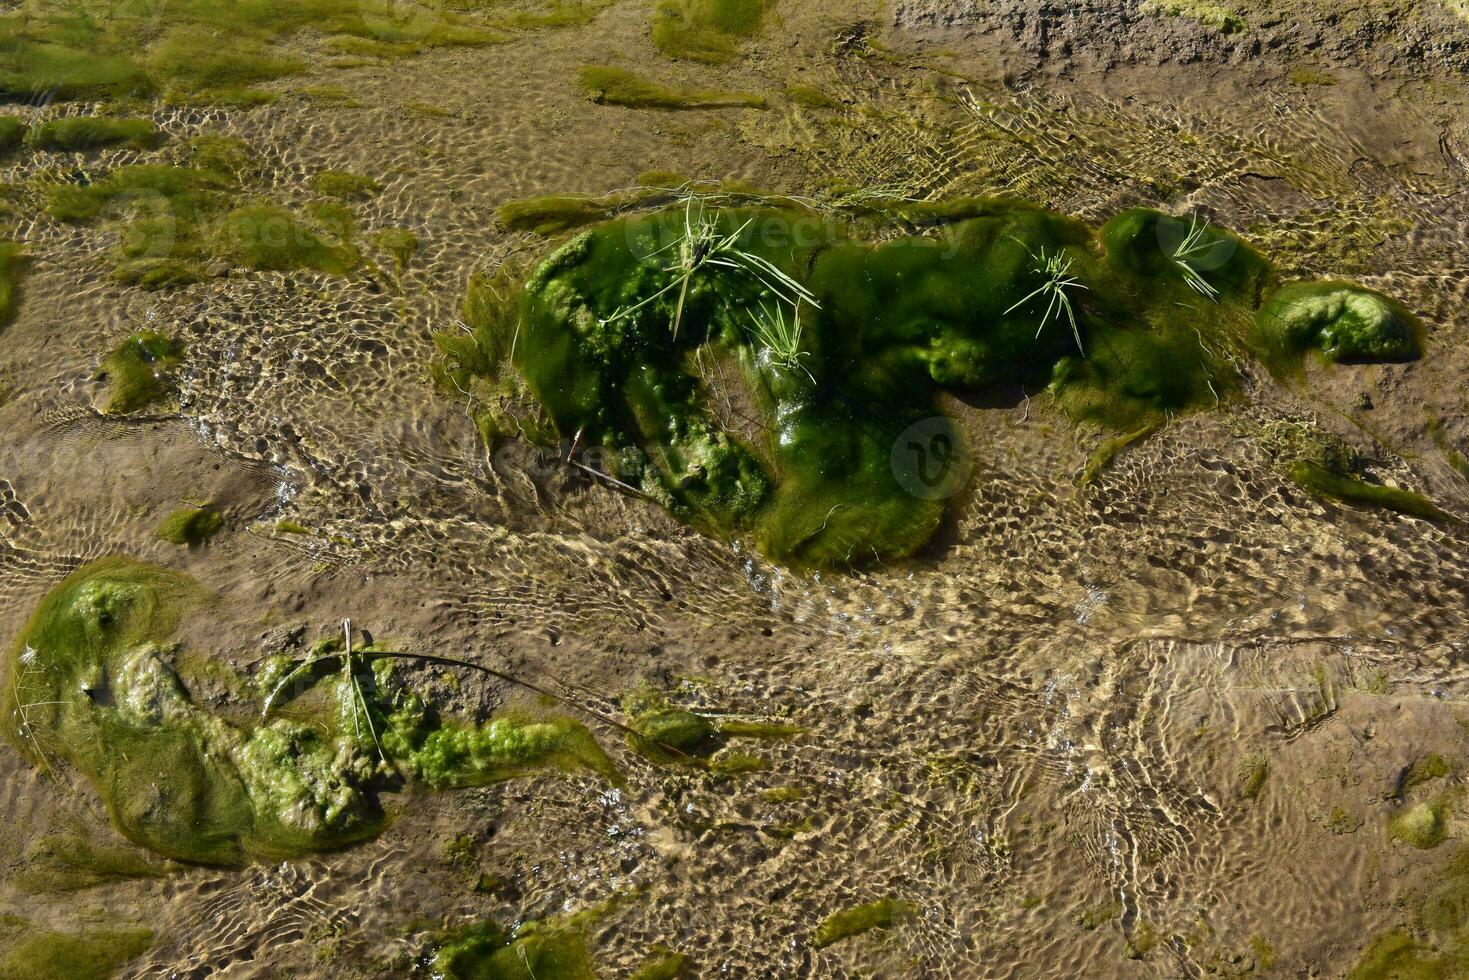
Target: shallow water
(1038,732)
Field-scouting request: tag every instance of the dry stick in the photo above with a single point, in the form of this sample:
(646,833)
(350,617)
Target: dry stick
(610,479)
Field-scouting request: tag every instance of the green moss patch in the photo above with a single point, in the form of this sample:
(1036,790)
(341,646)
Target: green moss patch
(94,687)
(843,348)
(1345,322)
(1331,485)
(13,260)
(537,950)
(191,527)
(1422,825)
(173,222)
(344,185)
(665,733)
(883,914)
(400,243)
(140,372)
(12,133)
(93,132)
(1221,19)
(203,50)
(271,238)
(39,954)
(618,86)
(705,30)
(1434,943)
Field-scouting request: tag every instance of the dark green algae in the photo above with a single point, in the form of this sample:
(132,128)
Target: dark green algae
(90,683)
(848,461)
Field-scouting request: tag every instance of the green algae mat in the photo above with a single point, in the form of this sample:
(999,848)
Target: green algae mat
(93,685)
(845,340)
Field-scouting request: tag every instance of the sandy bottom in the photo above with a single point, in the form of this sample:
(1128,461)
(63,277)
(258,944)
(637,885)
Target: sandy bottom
(1048,733)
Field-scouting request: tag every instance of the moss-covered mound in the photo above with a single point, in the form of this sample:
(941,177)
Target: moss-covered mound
(1345,322)
(843,348)
(191,526)
(140,372)
(90,683)
(554,950)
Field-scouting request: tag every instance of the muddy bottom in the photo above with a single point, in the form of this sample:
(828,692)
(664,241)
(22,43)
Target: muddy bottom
(1182,719)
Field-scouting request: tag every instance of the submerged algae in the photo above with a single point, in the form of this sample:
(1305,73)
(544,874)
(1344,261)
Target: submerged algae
(140,372)
(553,950)
(191,526)
(851,459)
(12,264)
(90,683)
(92,132)
(665,733)
(38,954)
(883,914)
(1434,945)
(705,30)
(1349,489)
(618,86)
(1345,322)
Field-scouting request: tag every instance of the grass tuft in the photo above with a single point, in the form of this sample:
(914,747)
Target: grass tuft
(1055,271)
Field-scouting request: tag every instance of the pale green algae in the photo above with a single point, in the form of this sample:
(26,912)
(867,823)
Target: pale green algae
(140,372)
(30,953)
(882,914)
(1433,944)
(90,683)
(1345,322)
(551,950)
(191,526)
(706,30)
(953,307)
(665,733)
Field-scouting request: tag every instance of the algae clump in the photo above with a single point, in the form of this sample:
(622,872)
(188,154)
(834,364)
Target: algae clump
(191,526)
(882,914)
(618,86)
(554,950)
(1333,485)
(12,133)
(664,733)
(38,954)
(91,684)
(1346,323)
(843,348)
(140,372)
(270,238)
(344,185)
(92,132)
(1422,826)
(705,30)
(12,265)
